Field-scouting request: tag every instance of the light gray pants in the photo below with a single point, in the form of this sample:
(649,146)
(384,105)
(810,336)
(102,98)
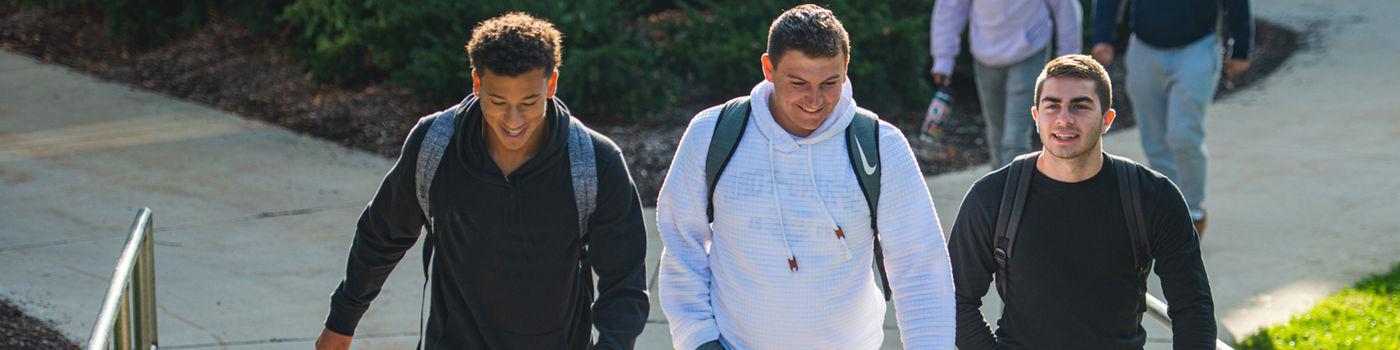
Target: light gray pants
(1007,95)
(1170,89)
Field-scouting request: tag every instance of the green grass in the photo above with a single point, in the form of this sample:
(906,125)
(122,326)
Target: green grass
(1366,316)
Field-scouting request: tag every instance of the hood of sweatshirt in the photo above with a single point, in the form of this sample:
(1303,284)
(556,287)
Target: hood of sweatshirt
(783,141)
(473,152)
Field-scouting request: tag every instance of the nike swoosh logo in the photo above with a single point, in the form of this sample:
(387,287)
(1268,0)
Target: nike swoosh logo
(869,169)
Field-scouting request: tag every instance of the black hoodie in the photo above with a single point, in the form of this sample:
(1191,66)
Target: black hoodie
(505,271)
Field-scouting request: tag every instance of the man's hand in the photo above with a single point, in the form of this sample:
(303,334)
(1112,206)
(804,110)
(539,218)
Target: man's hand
(1103,52)
(1235,66)
(331,340)
(940,79)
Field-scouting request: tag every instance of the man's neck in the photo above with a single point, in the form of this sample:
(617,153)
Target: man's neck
(510,160)
(1071,170)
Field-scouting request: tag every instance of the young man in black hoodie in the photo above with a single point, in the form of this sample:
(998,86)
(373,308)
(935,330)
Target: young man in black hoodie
(507,249)
(1071,274)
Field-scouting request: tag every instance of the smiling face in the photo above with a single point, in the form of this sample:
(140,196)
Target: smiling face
(1069,118)
(513,110)
(805,89)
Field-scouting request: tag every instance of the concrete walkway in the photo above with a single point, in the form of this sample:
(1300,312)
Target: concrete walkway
(253,221)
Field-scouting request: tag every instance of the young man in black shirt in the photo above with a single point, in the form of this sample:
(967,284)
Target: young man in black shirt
(509,241)
(1072,280)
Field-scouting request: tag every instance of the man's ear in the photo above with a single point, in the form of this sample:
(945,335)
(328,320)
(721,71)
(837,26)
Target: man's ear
(553,83)
(476,82)
(767,67)
(1034,111)
(1108,119)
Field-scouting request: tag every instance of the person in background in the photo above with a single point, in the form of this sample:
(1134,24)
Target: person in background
(1010,42)
(1174,61)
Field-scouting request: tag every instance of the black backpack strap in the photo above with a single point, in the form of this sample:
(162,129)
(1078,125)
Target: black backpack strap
(1013,201)
(729,128)
(863,148)
(1130,193)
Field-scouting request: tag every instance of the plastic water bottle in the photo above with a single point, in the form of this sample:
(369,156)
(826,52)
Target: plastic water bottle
(938,110)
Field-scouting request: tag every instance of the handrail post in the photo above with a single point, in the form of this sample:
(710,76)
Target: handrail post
(121,337)
(137,297)
(128,316)
(145,294)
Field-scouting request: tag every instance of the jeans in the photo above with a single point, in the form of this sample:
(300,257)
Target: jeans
(1170,89)
(1007,95)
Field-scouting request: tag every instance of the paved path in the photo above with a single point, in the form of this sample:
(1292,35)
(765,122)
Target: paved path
(253,221)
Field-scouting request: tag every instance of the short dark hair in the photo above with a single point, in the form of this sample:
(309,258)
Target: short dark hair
(1080,67)
(808,28)
(515,43)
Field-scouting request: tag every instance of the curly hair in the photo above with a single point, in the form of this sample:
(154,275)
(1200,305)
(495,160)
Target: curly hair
(808,28)
(1079,67)
(515,43)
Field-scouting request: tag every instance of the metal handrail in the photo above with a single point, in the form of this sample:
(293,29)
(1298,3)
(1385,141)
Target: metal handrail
(130,305)
(1158,310)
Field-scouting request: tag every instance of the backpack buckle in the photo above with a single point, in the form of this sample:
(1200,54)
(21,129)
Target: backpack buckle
(1000,256)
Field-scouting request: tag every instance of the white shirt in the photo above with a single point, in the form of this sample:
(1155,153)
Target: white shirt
(782,196)
(1003,31)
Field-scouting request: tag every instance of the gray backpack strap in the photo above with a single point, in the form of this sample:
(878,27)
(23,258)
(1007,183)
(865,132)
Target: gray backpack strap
(441,127)
(1013,201)
(583,168)
(863,146)
(729,128)
(430,151)
(583,172)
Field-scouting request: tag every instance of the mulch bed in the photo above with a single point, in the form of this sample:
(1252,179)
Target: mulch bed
(19,331)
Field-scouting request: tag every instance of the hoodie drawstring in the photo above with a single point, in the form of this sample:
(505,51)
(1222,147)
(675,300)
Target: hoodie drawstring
(840,234)
(782,227)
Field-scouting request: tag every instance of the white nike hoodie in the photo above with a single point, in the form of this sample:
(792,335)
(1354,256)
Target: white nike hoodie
(782,197)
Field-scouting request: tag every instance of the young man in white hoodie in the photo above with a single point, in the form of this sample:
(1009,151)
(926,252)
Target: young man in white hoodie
(786,261)
(1010,40)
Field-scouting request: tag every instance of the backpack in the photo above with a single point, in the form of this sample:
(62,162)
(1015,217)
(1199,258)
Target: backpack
(864,130)
(582,169)
(1013,201)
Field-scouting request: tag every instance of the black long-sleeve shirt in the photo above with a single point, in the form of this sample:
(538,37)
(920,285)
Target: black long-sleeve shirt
(1173,23)
(505,272)
(1072,282)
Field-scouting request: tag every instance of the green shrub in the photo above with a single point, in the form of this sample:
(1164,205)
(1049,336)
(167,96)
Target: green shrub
(619,63)
(623,60)
(149,23)
(716,49)
(420,44)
